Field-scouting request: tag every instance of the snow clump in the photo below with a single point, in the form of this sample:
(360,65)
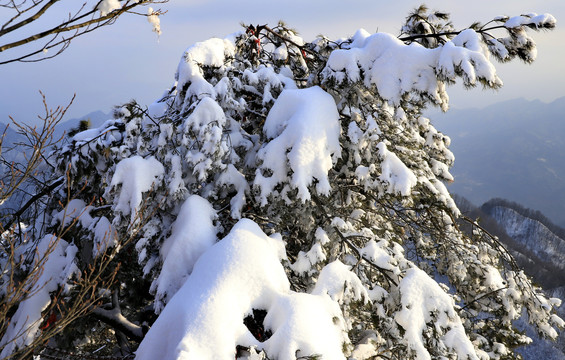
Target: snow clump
(242,272)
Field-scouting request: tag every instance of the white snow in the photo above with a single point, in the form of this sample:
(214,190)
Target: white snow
(305,261)
(76,210)
(340,283)
(153,19)
(231,176)
(366,348)
(467,53)
(281,53)
(78,213)
(165,133)
(176,182)
(105,236)
(378,255)
(305,325)
(421,297)
(86,134)
(242,272)
(157,109)
(206,123)
(393,67)
(107,6)
(304,127)
(533,18)
(199,133)
(396,69)
(395,173)
(104,135)
(136,175)
(193,233)
(212,52)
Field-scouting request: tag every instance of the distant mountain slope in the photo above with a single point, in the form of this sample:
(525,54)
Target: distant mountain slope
(513,150)
(530,233)
(537,244)
(10,136)
(545,251)
(539,248)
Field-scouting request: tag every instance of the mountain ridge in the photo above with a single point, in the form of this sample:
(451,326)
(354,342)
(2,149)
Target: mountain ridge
(531,238)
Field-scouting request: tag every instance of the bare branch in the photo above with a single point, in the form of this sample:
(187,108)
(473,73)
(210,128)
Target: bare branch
(29,20)
(82,22)
(37,142)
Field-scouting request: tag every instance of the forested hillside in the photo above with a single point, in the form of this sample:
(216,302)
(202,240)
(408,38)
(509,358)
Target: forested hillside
(537,244)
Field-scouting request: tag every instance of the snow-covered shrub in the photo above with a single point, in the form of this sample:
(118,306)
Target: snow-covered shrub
(287,199)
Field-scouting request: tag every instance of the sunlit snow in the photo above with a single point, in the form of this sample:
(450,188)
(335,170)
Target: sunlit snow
(242,272)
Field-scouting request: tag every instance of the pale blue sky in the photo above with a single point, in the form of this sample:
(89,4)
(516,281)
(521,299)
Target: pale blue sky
(127,61)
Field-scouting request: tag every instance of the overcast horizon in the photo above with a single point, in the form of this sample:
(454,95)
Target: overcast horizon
(128,61)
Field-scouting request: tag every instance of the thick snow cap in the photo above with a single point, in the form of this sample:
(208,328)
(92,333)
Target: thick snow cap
(242,272)
(304,127)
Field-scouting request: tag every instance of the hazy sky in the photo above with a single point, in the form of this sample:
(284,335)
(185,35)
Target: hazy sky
(128,61)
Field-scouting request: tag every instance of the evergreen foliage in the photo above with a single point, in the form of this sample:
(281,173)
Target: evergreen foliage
(321,145)
(83,125)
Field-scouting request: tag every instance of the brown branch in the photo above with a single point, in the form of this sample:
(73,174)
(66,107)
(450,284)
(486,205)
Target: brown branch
(29,20)
(346,241)
(38,141)
(482,297)
(64,27)
(115,319)
(18,11)
(447,33)
(73,24)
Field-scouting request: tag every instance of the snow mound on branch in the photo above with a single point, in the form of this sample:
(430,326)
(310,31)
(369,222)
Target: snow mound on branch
(105,235)
(210,53)
(204,127)
(421,298)
(242,272)
(304,326)
(466,56)
(107,6)
(57,259)
(397,69)
(539,21)
(136,175)
(395,173)
(76,210)
(393,67)
(340,283)
(231,176)
(376,252)
(153,19)
(193,233)
(304,127)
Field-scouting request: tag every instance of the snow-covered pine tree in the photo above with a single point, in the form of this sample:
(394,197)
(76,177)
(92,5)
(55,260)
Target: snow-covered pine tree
(286,200)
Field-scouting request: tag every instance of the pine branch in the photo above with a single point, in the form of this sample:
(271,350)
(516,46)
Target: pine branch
(45,191)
